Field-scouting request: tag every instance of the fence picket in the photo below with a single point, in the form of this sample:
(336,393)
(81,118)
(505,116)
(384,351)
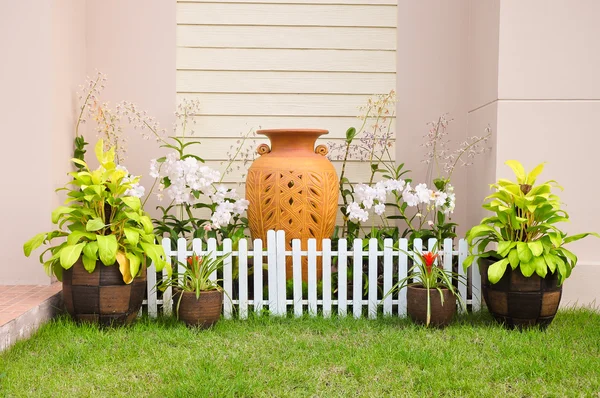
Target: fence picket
(418,248)
(277,256)
(312,277)
(402,273)
(167,304)
(357,279)
(462,254)
(297,276)
(227,279)
(257,261)
(373,282)
(342,266)
(272,270)
(243,278)
(326,261)
(212,254)
(387,275)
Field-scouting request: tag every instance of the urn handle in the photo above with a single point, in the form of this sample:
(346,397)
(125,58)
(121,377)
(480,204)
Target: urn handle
(263,149)
(321,150)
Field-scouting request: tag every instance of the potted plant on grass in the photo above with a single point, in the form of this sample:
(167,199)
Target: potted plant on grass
(522,275)
(102,261)
(431,296)
(199,298)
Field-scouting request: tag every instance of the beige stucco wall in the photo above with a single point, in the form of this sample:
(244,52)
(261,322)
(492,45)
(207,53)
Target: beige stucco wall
(431,80)
(549,102)
(41,45)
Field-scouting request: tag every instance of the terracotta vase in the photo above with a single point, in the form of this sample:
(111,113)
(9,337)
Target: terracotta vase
(293,187)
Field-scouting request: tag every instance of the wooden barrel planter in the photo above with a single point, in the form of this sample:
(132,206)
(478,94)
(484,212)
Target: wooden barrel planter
(416,306)
(202,312)
(102,297)
(518,301)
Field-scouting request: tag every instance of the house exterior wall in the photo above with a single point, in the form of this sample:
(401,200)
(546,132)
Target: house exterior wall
(42,44)
(282,63)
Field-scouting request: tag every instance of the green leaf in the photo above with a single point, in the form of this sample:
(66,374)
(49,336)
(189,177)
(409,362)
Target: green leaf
(513,258)
(556,239)
(91,250)
(94,224)
(34,243)
(468,261)
(504,247)
(518,169)
(524,252)
(550,261)
(533,174)
(350,134)
(70,254)
(147,224)
(134,263)
(540,266)
(574,238)
(156,254)
(536,247)
(497,270)
(75,236)
(132,202)
(527,268)
(60,211)
(89,263)
(107,249)
(132,235)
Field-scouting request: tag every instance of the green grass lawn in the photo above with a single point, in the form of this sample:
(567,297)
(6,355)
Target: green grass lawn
(308,357)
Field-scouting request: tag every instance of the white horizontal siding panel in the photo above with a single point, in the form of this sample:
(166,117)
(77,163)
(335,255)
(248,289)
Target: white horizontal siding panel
(284,82)
(221,13)
(278,104)
(244,59)
(218,148)
(315,2)
(236,125)
(286,37)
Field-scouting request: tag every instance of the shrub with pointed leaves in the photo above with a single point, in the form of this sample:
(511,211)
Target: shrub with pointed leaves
(104,221)
(524,228)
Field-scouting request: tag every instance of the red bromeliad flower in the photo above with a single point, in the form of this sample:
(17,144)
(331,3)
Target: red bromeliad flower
(429,259)
(190,260)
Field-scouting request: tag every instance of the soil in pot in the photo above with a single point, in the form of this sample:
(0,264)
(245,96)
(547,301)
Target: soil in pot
(202,312)
(518,301)
(102,297)
(441,315)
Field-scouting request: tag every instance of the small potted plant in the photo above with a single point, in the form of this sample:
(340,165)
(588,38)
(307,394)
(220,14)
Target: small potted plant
(104,240)
(199,298)
(431,296)
(523,272)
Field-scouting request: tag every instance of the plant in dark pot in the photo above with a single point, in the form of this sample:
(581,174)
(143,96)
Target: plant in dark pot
(431,296)
(522,274)
(197,295)
(102,243)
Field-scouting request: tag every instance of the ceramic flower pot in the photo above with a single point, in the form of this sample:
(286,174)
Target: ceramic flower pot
(102,297)
(519,301)
(416,302)
(293,187)
(203,312)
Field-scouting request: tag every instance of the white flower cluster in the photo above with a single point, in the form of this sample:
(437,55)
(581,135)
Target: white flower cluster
(374,198)
(188,179)
(136,189)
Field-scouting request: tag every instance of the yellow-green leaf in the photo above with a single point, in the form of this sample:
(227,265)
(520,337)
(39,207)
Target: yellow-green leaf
(70,254)
(34,243)
(518,169)
(540,266)
(534,174)
(95,224)
(496,270)
(513,258)
(132,202)
(524,252)
(536,247)
(527,268)
(89,263)
(107,249)
(132,235)
(134,264)
(60,210)
(147,224)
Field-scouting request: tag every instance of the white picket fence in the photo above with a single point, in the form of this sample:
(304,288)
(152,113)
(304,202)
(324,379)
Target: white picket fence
(274,256)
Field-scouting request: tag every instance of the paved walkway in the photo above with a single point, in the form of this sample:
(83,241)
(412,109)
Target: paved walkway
(19,299)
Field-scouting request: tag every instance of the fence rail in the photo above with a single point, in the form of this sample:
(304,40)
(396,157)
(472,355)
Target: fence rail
(342,289)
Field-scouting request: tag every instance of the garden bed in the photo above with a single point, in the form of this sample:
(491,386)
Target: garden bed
(269,356)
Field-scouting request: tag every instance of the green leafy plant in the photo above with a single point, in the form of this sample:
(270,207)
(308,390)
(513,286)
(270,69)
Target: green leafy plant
(196,276)
(524,228)
(103,222)
(431,276)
